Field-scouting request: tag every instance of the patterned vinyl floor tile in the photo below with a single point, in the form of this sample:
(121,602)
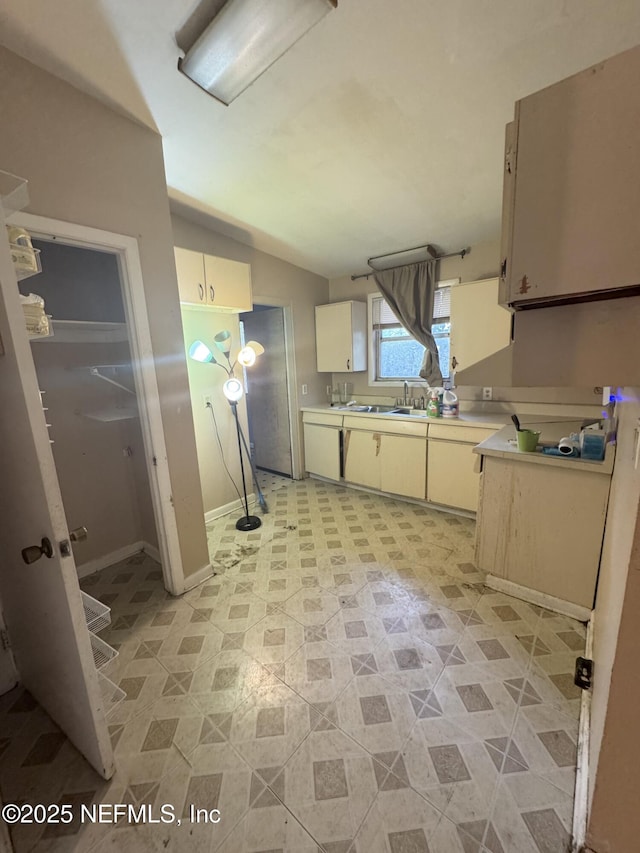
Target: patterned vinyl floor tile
(345,683)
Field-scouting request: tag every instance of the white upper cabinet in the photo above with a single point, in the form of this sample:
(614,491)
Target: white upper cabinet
(228,284)
(571,195)
(479,325)
(341,337)
(213,282)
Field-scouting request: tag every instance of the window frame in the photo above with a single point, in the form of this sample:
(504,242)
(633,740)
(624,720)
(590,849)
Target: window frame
(374,382)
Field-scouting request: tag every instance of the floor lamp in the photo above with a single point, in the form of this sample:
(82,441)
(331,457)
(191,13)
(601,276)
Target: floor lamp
(233,391)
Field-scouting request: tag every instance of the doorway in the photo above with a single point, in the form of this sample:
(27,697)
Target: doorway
(85,374)
(123,252)
(268,391)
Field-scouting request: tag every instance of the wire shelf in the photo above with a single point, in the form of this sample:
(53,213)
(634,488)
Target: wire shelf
(102,652)
(97,614)
(112,695)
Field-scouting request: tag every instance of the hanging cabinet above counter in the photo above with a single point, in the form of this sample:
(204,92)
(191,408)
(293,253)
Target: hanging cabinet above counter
(341,337)
(210,282)
(571,204)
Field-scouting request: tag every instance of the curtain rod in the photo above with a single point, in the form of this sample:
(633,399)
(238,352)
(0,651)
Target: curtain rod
(461,252)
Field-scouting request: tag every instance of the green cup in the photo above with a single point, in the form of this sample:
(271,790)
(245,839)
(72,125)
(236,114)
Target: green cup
(527,440)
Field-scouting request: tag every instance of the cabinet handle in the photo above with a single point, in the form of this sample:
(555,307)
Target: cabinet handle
(201,292)
(348,364)
(212,293)
(454,362)
(503,270)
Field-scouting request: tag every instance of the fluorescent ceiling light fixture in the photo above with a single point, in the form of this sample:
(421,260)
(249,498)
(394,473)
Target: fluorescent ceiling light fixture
(244,39)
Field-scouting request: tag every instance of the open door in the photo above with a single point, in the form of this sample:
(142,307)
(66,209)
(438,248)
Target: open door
(267,391)
(41,600)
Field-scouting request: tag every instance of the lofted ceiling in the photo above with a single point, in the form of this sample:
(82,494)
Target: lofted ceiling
(382,128)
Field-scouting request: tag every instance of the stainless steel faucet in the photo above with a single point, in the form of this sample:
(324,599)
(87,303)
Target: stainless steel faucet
(406,393)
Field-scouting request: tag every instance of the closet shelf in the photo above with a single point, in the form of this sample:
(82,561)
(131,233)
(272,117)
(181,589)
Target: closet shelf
(102,652)
(86,332)
(99,370)
(112,695)
(96,614)
(108,415)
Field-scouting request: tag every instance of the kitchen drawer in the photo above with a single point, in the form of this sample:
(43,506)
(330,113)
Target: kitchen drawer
(390,425)
(450,432)
(326,419)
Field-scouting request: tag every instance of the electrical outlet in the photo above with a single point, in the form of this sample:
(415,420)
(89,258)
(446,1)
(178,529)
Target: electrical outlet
(208,402)
(487,393)
(305,389)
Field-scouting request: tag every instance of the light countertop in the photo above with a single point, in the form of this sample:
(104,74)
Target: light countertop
(502,444)
(490,420)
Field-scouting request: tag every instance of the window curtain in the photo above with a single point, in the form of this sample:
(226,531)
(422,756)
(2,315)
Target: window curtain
(409,293)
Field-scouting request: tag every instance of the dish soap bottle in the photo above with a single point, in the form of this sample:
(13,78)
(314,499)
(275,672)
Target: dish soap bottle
(433,406)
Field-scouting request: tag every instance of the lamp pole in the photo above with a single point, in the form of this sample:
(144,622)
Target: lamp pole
(247,522)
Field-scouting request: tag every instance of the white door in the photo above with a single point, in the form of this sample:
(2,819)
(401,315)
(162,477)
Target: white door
(41,601)
(267,391)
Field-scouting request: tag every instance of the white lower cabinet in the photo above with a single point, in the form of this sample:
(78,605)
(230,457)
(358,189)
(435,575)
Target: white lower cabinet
(394,463)
(362,457)
(541,527)
(394,456)
(453,477)
(322,444)
(403,466)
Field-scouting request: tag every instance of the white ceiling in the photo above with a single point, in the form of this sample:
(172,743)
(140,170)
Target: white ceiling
(382,128)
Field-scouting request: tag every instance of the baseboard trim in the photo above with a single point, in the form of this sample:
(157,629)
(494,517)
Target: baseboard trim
(152,551)
(98,563)
(533,596)
(581,795)
(198,577)
(227,509)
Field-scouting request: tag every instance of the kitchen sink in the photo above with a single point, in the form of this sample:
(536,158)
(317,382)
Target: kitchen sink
(374,410)
(384,410)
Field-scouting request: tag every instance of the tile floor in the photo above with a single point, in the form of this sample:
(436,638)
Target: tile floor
(345,683)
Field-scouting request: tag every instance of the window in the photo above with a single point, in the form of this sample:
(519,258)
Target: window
(395,353)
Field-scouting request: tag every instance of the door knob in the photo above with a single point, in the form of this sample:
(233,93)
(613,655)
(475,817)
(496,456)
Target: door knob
(79,534)
(34,552)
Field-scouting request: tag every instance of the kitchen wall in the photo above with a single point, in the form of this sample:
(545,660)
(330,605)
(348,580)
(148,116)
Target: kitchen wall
(614,758)
(274,282)
(481,262)
(90,165)
(216,424)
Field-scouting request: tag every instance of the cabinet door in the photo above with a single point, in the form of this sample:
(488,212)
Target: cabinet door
(191,282)
(479,325)
(322,451)
(334,338)
(576,203)
(403,466)
(451,477)
(228,284)
(362,458)
(542,527)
